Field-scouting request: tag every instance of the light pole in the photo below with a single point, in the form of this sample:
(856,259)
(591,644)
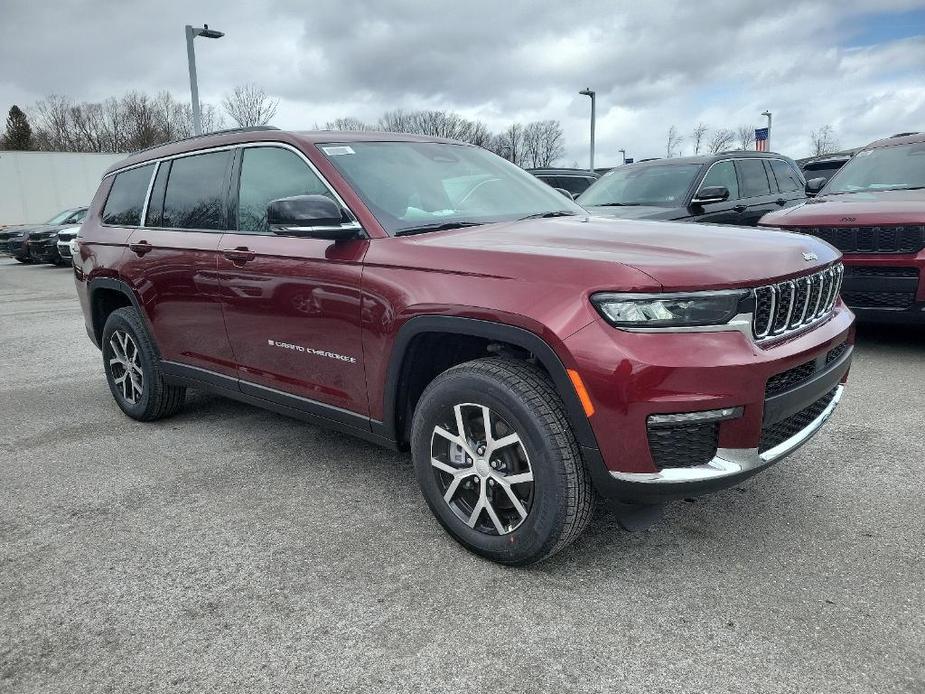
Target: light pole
(191,33)
(590,92)
(623,152)
(768,114)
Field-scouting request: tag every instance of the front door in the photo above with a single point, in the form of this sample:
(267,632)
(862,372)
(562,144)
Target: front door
(755,189)
(171,260)
(292,305)
(727,211)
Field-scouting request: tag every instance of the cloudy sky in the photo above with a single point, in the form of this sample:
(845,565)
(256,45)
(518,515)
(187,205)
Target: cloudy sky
(858,66)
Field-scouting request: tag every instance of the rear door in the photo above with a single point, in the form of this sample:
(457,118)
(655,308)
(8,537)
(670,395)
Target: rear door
(729,211)
(755,190)
(790,183)
(292,305)
(172,260)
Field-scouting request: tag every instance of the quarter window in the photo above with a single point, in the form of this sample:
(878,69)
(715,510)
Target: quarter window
(787,178)
(127,197)
(753,178)
(195,196)
(722,174)
(267,174)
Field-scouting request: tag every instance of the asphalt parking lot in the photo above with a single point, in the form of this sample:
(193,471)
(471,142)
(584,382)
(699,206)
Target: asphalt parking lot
(231,549)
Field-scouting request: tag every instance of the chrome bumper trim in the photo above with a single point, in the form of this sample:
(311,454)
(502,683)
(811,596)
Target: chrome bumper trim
(733,461)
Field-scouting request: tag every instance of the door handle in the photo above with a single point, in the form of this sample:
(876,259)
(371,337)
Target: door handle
(141,247)
(781,202)
(239,255)
(740,208)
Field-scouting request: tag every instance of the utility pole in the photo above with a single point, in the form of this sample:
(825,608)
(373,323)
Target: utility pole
(590,93)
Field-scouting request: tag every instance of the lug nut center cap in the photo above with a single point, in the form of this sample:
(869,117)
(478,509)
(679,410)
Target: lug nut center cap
(482,467)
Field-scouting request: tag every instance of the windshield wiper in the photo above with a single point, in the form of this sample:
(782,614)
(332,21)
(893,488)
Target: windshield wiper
(548,215)
(442,226)
(618,204)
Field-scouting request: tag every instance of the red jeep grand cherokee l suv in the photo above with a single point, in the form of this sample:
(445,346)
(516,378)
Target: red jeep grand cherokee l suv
(427,294)
(873,210)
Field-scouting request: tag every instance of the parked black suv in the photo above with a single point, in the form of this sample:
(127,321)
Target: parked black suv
(729,188)
(15,240)
(575,181)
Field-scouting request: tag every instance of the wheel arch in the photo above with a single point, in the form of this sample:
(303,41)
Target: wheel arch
(107,294)
(395,412)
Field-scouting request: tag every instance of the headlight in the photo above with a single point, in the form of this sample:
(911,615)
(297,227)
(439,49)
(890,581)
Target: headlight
(668,310)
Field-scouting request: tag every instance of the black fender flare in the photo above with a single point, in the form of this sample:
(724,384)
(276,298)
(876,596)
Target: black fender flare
(97,283)
(500,332)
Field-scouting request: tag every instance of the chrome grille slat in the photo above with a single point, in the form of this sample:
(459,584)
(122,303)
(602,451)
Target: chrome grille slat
(791,305)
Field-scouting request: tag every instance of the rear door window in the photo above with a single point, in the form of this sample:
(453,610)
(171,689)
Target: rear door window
(722,173)
(787,178)
(753,180)
(127,197)
(576,185)
(195,195)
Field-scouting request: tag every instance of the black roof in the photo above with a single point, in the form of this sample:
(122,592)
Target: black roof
(563,171)
(709,158)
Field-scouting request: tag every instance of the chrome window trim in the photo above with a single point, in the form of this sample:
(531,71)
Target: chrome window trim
(734,461)
(221,148)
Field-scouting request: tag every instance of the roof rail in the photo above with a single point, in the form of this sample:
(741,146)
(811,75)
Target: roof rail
(249,129)
(904,134)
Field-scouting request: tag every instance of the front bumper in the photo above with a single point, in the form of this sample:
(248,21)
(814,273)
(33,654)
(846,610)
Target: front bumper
(44,251)
(885,288)
(632,377)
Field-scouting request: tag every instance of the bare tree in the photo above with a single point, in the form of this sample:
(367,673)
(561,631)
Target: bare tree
(673,142)
(248,105)
(697,136)
(542,143)
(824,141)
(348,123)
(745,135)
(509,143)
(721,141)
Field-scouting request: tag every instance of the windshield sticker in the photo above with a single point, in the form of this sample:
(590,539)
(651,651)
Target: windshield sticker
(338,150)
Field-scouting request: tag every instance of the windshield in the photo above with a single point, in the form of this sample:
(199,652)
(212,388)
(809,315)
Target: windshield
(423,186)
(60,217)
(660,185)
(885,168)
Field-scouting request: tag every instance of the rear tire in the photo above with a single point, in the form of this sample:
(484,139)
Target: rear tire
(133,369)
(516,503)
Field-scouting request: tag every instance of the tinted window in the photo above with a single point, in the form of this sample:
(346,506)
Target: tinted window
(127,197)
(270,173)
(752,178)
(195,197)
(821,171)
(76,218)
(722,174)
(787,178)
(576,185)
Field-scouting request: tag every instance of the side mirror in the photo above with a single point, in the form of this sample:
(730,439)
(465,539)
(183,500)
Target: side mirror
(711,194)
(311,216)
(566,193)
(814,185)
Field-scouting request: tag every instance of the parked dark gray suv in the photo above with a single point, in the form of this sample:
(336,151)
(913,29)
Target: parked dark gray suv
(729,188)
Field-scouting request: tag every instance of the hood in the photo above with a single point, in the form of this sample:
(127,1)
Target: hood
(639,212)
(598,252)
(855,209)
(43,231)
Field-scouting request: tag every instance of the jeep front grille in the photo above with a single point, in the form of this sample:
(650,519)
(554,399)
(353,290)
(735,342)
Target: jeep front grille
(870,239)
(788,306)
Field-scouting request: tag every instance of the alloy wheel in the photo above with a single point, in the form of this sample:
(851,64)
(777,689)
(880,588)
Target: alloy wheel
(483,469)
(125,366)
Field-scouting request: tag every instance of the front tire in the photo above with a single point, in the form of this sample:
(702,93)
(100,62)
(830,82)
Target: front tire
(498,463)
(133,371)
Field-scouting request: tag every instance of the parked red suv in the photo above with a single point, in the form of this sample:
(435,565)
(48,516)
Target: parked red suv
(873,210)
(426,294)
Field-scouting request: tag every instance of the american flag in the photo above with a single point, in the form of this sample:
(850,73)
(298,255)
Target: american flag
(761,139)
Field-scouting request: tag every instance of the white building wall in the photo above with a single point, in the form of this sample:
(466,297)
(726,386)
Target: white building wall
(34,186)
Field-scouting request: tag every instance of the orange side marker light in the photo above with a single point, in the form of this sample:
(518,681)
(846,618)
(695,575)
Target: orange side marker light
(582,392)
